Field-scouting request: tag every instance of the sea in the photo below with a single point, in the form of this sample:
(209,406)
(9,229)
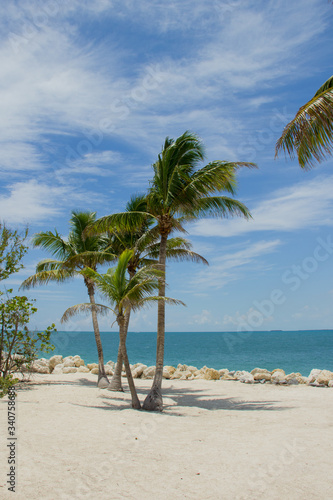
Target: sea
(293,351)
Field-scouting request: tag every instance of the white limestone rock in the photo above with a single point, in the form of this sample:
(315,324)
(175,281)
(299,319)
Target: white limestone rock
(69,361)
(91,366)
(223,372)
(211,374)
(148,372)
(55,360)
(69,369)
(78,361)
(40,366)
(83,369)
(291,379)
(330,383)
(108,370)
(278,377)
(138,370)
(247,378)
(94,371)
(168,371)
(111,363)
(58,369)
(324,377)
(313,375)
(261,374)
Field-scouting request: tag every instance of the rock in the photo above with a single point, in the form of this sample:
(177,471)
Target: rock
(168,371)
(227,376)
(40,366)
(111,363)
(291,379)
(186,375)
(58,369)
(83,369)
(262,376)
(246,378)
(55,360)
(238,374)
(94,371)
(259,370)
(177,374)
(313,375)
(192,369)
(148,372)
(232,373)
(211,374)
(69,361)
(223,372)
(69,369)
(278,370)
(108,370)
(330,384)
(182,368)
(278,377)
(91,366)
(324,377)
(78,361)
(138,370)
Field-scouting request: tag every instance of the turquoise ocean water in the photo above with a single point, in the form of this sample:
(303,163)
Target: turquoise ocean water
(292,351)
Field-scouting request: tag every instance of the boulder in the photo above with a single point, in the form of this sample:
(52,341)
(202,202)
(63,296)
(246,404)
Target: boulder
(83,369)
(111,363)
(246,378)
(324,377)
(168,371)
(94,371)
(330,384)
(223,372)
(40,366)
(182,368)
(278,377)
(291,379)
(91,366)
(259,370)
(227,376)
(138,370)
(78,361)
(211,374)
(69,369)
(238,374)
(313,375)
(192,369)
(186,375)
(108,370)
(58,369)
(262,376)
(278,370)
(69,361)
(148,372)
(55,360)
(177,374)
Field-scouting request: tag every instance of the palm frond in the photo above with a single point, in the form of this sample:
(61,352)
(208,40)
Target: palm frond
(217,206)
(148,301)
(85,308)
(44,277)
(309,135)
(123,221)
(53,242)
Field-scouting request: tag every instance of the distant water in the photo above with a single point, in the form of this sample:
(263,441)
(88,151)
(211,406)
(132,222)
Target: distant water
(292,351)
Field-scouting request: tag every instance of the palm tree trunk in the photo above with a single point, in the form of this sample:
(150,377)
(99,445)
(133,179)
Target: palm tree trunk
(115,384)
(154,401)
(102,381)
(122,337)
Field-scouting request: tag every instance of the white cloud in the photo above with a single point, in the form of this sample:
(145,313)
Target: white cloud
(225,268)
(305,205)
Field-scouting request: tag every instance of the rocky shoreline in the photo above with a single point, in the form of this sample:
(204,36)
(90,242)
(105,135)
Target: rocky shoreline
(72,364)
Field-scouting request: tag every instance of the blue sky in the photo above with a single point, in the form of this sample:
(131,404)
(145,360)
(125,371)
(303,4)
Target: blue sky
(91,89)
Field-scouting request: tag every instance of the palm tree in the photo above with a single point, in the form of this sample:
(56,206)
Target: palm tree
(179,193)
(123,293)
(143,240)
(71,257)
(310,133)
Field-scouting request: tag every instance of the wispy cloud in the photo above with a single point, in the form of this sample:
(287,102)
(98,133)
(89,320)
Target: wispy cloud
(226,268)
(305,205)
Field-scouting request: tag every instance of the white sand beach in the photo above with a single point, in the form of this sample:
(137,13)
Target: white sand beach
(214,440)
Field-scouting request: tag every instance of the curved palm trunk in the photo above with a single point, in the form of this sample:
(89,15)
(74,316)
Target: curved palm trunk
(154,401)
(115,384)
(122,337)
(102,381)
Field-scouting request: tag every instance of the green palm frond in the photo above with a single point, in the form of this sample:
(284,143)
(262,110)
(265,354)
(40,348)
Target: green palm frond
(309,135)
(123,221)
(72,311)
(52,242)
(149,301)
(217,206)
(44,277)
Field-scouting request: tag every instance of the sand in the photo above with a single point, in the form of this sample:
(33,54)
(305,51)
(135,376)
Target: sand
(215,440)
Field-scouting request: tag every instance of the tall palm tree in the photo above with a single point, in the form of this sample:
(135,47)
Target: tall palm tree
(310,134)
(143,240)
(180,192)
(123,293)
(72,255)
